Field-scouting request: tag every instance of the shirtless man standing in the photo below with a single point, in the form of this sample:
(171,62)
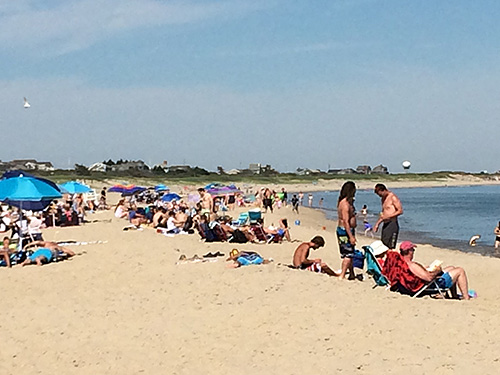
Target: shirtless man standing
(207,203)
(391,209)
(345,227)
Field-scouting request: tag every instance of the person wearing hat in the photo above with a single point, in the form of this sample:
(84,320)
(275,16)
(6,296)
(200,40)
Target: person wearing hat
(448,277)
(379,250)
(245,258)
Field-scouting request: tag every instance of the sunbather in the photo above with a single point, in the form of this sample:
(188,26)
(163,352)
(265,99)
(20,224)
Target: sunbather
(245,258)
(301,261)
(45,253)
(448,277)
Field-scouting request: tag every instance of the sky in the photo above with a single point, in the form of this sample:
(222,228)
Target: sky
(292,83)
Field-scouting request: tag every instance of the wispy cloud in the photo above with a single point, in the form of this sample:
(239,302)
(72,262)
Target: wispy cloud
(292,49)
(62,27)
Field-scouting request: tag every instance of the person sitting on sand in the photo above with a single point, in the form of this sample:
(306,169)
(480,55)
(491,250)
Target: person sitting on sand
(160,218)
(47,250)
(121,210)
(245,258)
(301,261)
(5,251)
(172,224)
(136,217)
(448,277)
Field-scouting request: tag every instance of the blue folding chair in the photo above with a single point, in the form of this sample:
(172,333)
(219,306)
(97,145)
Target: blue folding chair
(373,268)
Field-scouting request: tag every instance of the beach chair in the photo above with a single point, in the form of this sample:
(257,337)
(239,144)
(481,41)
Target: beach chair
(220,233)
(242,219)
(259,233)
(254,215)
(402,280)
(373,268)
(262,236)
(205,232)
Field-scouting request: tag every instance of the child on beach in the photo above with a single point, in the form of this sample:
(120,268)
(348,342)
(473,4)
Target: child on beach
(301,255)
(368,228)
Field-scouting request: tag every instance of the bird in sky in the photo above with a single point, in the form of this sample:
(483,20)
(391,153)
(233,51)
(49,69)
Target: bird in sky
(26,104)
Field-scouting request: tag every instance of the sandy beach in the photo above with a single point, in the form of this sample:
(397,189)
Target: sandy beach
(126,307)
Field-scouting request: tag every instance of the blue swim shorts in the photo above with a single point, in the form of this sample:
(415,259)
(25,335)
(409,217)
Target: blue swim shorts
(445,281)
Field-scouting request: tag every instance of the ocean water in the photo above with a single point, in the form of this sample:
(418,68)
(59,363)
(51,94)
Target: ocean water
(442,216)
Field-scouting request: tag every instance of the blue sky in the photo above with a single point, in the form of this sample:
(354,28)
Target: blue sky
(288,83)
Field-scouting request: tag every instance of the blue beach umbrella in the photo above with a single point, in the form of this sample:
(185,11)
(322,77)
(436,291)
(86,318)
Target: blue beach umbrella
(28,193)
(161,187)
(170,197)
(74,187)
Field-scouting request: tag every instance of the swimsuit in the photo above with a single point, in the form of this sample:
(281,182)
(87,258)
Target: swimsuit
(345,247)
(445,281)
(390,231)
(47,253)
(315,267)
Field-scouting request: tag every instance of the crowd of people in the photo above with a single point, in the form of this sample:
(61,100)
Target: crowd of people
(208,216)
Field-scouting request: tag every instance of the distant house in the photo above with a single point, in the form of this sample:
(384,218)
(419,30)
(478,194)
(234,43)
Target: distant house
(179,168)
(363,169)
(342,171)
(138,165)
(233,171)
(307,171)
(30,164)
(98,167)
(258,168)
(255,168)
(380,169)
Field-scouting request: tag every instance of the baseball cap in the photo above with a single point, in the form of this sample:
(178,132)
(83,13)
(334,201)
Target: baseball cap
(407,245)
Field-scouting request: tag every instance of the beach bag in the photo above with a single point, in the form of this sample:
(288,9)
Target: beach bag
(358,260)
(209,233)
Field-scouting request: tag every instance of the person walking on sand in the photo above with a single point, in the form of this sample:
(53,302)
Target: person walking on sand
(497,234)
(295,203)
(346,228)
(391,209)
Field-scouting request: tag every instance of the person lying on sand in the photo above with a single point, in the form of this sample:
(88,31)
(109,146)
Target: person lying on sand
(46,252)
(245,258)
(301,261)
(448,277)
